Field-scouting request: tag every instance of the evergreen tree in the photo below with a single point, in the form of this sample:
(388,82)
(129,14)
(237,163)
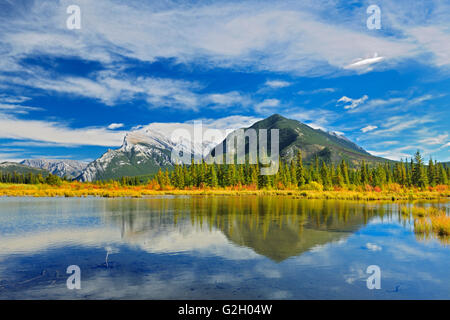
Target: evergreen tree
(300,170)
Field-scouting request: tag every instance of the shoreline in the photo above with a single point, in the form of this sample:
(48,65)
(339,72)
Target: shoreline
(142,192)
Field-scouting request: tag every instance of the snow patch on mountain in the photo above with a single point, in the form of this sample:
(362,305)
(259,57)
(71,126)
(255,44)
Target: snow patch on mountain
(150,144)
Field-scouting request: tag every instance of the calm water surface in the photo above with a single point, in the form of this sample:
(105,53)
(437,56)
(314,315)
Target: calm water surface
(215,248)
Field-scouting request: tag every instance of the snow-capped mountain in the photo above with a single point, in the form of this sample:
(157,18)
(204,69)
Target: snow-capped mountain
(69,168)
(144,151)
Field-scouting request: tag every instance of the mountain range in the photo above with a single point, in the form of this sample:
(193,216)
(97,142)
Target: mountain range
(10,167)
(144,151)
(63,168)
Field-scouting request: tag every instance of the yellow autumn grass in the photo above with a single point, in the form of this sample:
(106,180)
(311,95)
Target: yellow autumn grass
(78,189)
(429,221)
(440,225)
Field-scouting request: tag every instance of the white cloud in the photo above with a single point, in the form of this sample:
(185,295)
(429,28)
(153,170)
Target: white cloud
(113,126)
(350,103)
(230,122)
(264,36)
(44,134)
(435,39)
(54,132)
(225,99)
(112,88)
(373,247)
(364,63)
(280,37)
(368,128)
(267,105)
(277,84)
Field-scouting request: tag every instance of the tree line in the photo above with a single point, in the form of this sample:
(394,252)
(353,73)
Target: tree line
(30,178)
(295,174)
(292,174)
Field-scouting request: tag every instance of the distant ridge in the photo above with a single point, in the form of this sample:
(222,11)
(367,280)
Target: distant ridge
(10,167)
(63,168)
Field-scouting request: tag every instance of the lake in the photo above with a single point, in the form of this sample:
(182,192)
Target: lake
(250,247)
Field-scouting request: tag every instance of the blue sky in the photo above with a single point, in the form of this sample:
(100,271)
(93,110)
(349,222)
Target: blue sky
(75,93)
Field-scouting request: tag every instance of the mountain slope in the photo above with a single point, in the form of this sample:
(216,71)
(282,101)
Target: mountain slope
(135,157)
(329,147)
(143,152)
(63,168)
(10,167)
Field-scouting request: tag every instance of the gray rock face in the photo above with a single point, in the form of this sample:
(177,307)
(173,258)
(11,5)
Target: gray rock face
(69,168)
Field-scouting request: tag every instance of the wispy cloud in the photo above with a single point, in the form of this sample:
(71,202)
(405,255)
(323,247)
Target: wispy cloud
(364,64)
(368,128)
(277,84)
(57,133)
(315,118)
(350,103)
(316,91)
(112,88)
(439,139)
(113,126)
(274,38)
(394,103)
(224,99)
(17,108)
(267,105)
(396,124)
(391,154)
(12,99)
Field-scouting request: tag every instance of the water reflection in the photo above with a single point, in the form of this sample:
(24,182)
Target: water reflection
(277,229)
(214,247)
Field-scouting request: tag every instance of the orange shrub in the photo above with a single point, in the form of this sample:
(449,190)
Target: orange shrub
(441,188)
(377,189)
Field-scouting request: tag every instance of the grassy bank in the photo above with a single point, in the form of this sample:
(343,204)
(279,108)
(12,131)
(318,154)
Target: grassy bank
(76,189)
(429,222)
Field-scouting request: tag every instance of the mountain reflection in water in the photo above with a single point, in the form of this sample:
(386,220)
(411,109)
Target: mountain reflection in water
(277,229)
(216,247)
